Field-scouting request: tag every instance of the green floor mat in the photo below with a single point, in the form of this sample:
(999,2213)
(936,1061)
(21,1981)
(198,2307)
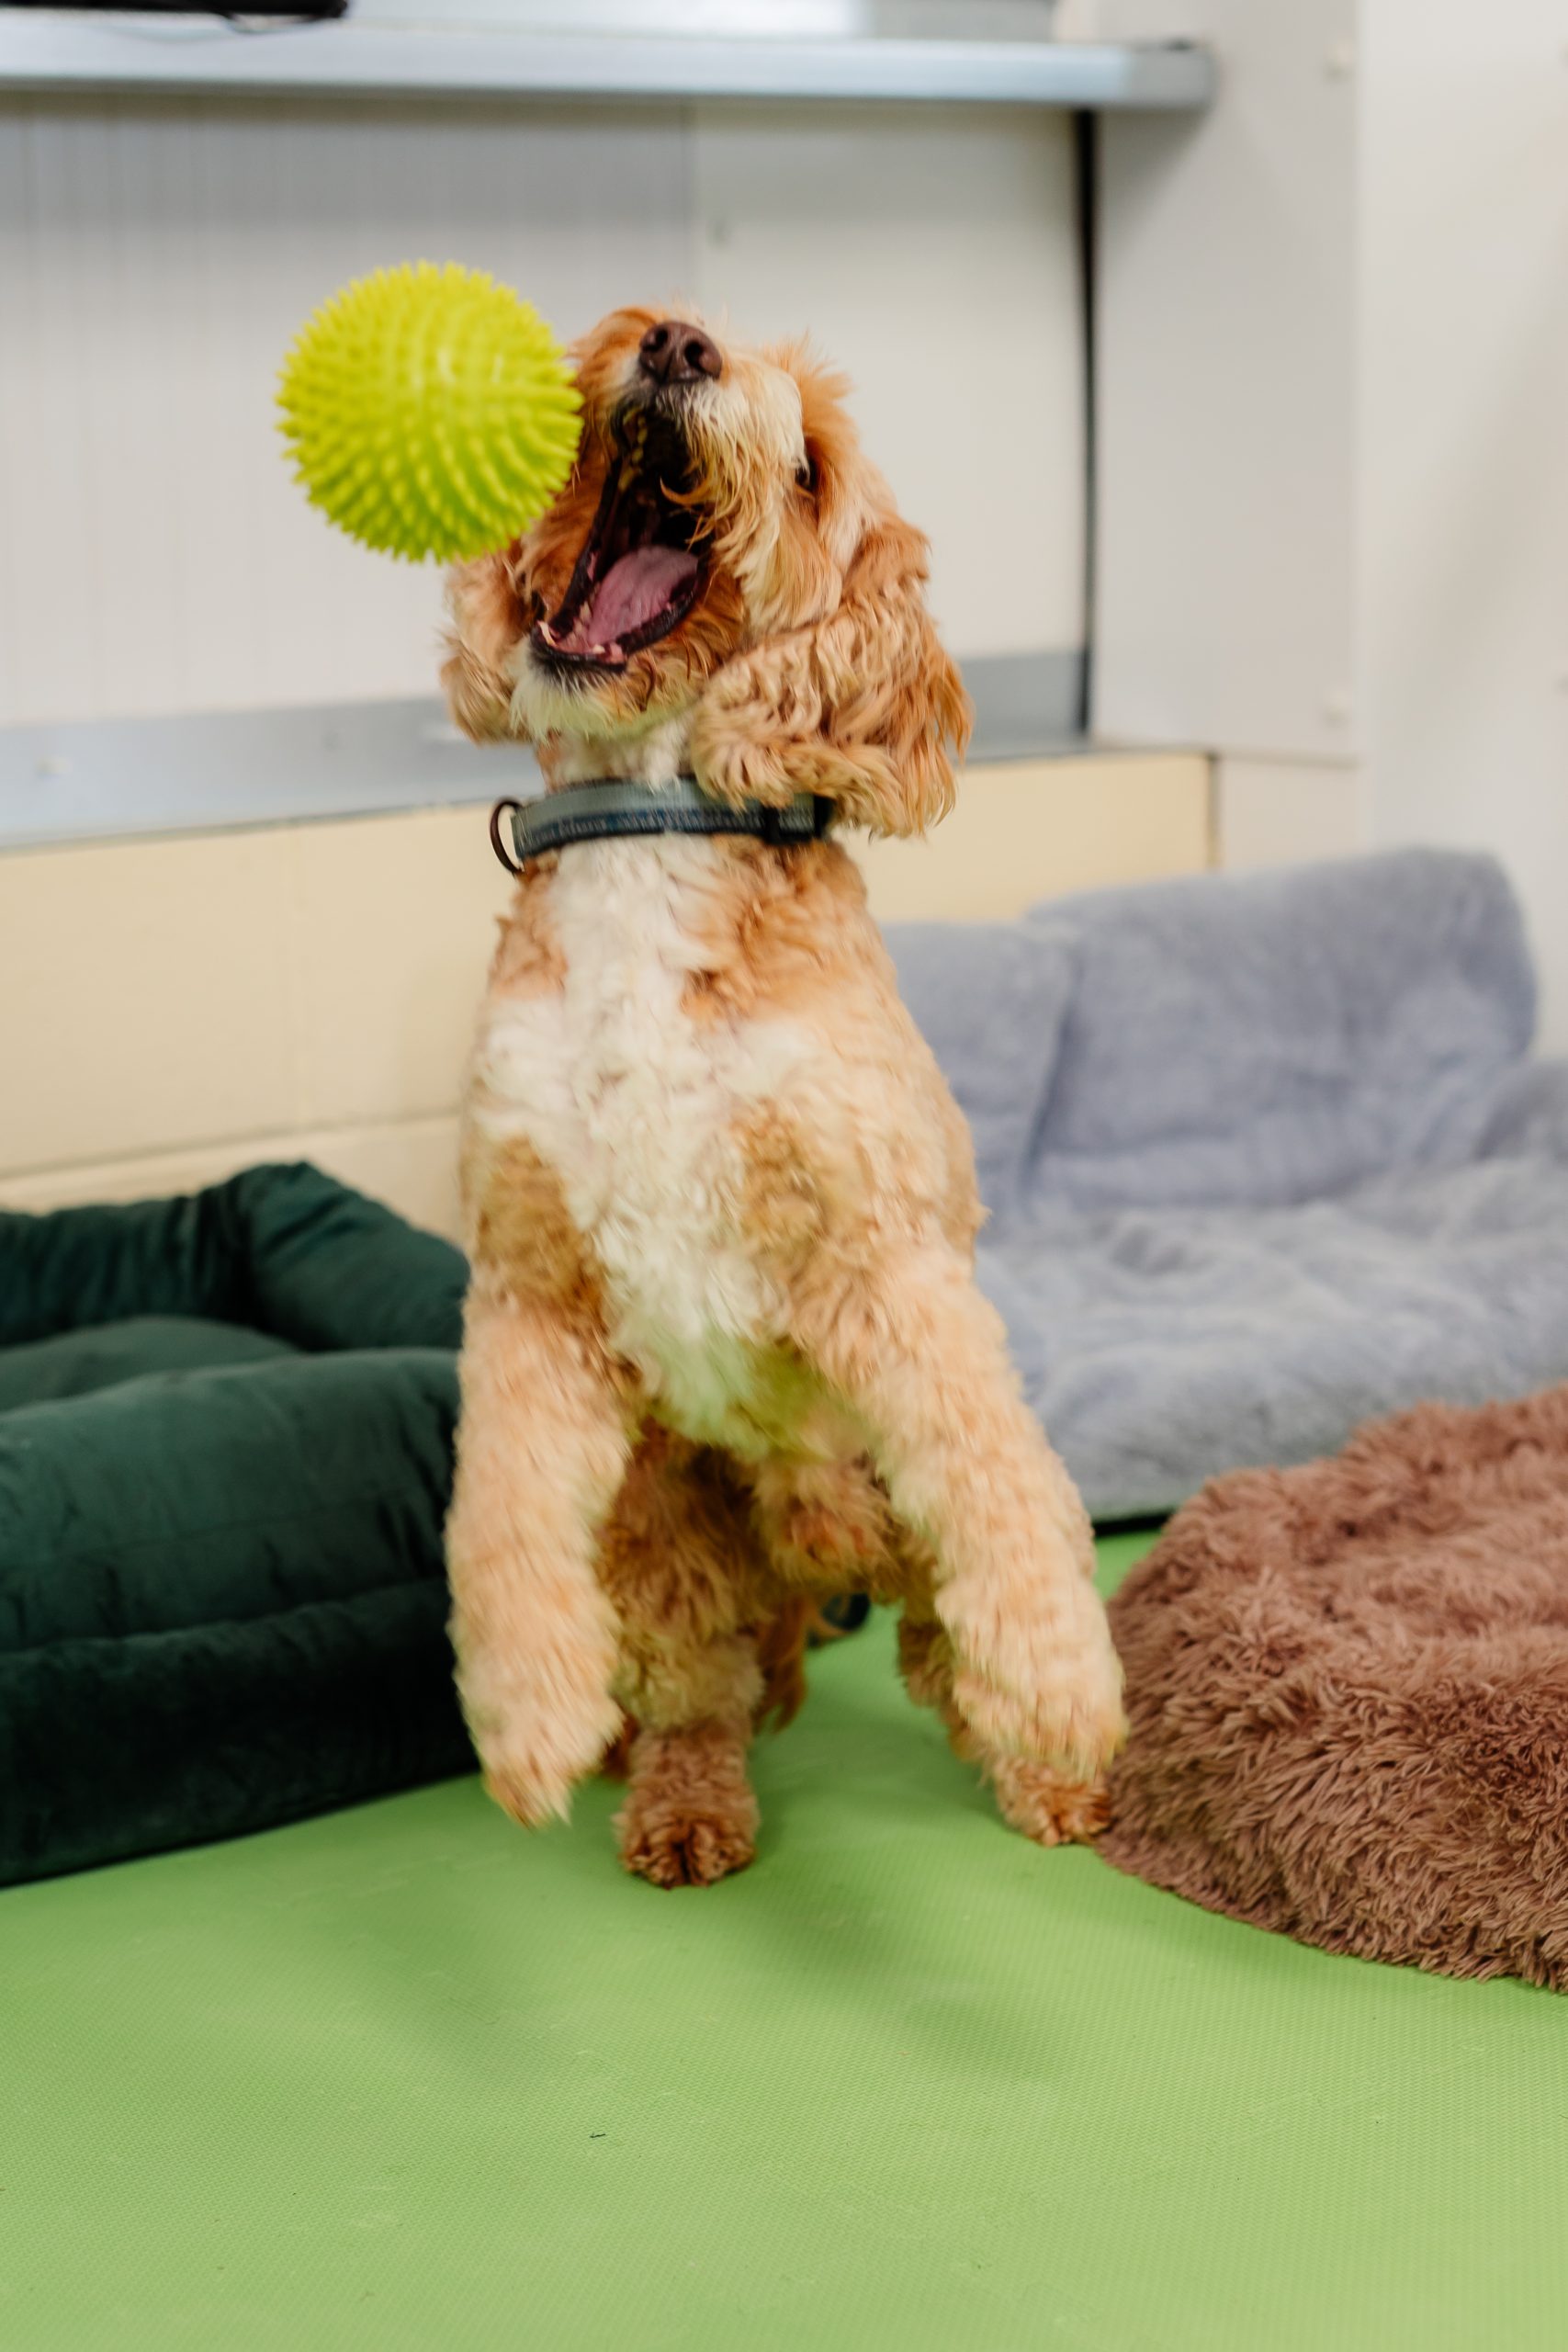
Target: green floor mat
(406,2080)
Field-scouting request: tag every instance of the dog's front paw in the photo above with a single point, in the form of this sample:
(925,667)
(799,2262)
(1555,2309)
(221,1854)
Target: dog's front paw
(532,1757)
(1041,1682)
(1047,1806)
(530,1797)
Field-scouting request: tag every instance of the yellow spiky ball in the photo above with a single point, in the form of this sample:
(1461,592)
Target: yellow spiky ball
(429,411)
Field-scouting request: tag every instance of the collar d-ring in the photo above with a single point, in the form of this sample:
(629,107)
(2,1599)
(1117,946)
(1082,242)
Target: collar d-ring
(496,841)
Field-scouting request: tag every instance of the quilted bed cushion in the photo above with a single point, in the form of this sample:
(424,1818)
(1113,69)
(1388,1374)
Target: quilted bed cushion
(225,1448)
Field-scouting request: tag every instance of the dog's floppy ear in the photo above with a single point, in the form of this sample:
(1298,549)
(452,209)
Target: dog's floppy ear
(858,703)
(489,615)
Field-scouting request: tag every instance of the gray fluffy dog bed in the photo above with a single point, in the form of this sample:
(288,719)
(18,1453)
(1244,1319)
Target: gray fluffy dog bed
(1264,1156)
(1348,1685)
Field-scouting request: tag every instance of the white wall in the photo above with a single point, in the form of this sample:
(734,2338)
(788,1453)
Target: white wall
(935,256)
(155,258)
(1464,440)
(155,261)
(1335,438)
(1227,405)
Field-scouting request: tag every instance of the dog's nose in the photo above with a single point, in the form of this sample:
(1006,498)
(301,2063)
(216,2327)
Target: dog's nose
(674,352)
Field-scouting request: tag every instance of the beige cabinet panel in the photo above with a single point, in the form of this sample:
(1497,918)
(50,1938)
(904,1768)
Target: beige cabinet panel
(149,997)
(1033,828)
(182,1008)
(396,922)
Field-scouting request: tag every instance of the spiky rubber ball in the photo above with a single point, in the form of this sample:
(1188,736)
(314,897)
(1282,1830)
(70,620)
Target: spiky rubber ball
(429,411)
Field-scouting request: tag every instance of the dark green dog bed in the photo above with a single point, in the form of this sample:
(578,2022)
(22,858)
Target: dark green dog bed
(225,1449)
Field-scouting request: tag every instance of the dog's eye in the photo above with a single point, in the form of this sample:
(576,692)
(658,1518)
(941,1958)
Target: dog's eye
(805,476)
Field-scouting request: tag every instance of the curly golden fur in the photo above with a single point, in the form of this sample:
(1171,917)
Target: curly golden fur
(723,1354)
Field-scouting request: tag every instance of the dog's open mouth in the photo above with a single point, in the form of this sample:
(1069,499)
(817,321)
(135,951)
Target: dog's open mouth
(640,570)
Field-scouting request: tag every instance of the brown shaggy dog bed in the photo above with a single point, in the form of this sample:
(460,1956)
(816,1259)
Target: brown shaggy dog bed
(1347,1687)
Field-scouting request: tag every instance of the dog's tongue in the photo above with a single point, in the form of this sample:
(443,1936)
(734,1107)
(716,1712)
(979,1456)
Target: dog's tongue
(636,589)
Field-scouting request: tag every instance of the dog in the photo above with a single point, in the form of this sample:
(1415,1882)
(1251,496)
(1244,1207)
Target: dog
(723,1351)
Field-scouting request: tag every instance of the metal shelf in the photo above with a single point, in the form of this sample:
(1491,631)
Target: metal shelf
(152,54)
(104,778)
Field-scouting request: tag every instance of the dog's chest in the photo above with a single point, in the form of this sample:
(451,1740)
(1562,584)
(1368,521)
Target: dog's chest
(641,1111)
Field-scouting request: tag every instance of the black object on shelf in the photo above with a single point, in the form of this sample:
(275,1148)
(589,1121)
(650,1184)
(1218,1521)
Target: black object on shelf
(301,12)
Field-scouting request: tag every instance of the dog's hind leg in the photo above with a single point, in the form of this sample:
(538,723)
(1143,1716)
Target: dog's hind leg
(690,1816)
(908,1341)
(687,1579)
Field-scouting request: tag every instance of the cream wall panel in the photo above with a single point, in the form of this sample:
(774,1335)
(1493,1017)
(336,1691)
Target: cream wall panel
(149,998)
(1287,812)
(933,256)
(243,986)
(411,1165)
(194,1005)
(148,1177)
(395,924)
(1034,829)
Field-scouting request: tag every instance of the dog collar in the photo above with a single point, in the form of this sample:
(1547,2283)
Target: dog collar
(616,809)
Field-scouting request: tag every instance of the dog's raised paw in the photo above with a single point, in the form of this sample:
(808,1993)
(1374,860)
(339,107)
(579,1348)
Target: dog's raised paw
(530,1799)
(1048,1805)
(1073,1727)
(1040,1679)
(532,1748)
